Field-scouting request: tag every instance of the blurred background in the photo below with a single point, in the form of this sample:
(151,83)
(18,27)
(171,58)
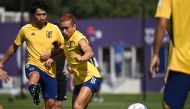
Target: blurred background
(121,33)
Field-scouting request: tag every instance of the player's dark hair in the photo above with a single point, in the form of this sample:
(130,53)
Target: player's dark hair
(38,4)
(67,17)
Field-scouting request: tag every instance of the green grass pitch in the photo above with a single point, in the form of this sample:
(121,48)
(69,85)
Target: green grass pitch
(111,101)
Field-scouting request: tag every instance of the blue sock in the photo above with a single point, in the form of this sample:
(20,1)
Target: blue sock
(31,88)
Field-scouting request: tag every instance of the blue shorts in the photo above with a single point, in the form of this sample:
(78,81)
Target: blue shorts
(48,83)
(176,89)
(93,84)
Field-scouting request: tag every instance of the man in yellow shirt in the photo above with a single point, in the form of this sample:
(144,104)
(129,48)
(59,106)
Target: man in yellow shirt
(40,37)
(78,53)
(178,81)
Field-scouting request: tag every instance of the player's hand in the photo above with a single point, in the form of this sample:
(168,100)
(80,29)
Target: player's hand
(78,58)
(45,56)
(154,66)
(67,70)
(72,88)
(3,75)
(48,63)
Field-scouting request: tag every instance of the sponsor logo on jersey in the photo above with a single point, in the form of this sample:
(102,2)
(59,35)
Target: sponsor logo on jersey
(32,34)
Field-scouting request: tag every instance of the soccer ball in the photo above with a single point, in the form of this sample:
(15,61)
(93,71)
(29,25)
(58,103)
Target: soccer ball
(137,106)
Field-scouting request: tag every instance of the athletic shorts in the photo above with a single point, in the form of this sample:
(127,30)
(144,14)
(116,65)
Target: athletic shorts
(94,84)
(48,83)
(61,86)
(176,90)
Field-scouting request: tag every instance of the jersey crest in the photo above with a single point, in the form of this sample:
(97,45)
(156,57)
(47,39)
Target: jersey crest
(71,44)
(49,34)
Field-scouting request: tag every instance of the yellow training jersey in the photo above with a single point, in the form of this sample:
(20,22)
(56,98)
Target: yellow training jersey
(38,42)
(180,48)
(82,71)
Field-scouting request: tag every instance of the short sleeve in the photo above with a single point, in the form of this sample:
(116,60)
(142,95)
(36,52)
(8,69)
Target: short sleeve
(163,9)
(20,37)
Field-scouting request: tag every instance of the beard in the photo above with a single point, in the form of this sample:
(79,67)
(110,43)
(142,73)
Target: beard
(41,23)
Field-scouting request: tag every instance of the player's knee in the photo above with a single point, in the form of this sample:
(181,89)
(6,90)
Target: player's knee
(77,105)
(34,75)
(58,104)
(58,107)
(1,107)
(50,103)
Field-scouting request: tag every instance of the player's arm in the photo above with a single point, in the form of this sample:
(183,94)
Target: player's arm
(58,47)
(85,47)
(57,52)
(52,55)
(13,47)
(55,55)
(48,63)
(11,50)
(3,75)
(59,44)
(71,82)
(159,34)
(58,56)
(67,71)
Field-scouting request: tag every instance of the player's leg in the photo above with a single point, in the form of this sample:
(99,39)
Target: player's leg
(98,97)
(1,107)
(58,104)
(84,92)
(75,96)
(176,90)
(33,78)
(33,75)
(83,98)
(61,90)
(49,90)
(49,103)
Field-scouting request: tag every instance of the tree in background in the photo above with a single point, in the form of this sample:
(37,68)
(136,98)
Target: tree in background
(85,9)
